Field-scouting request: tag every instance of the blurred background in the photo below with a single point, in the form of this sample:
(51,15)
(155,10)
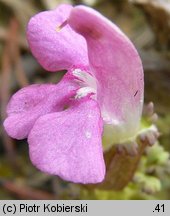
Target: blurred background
(147,24)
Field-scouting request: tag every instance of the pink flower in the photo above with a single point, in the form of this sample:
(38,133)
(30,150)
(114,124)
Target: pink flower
(103,88)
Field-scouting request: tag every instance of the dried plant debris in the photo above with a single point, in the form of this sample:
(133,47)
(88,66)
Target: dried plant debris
(158,15)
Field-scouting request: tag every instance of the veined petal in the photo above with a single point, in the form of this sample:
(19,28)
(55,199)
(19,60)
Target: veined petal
(118,69)
(31,102)
(56,49)
(68,143)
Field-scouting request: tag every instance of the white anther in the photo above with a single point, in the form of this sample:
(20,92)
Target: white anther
(82,92)
(85,78)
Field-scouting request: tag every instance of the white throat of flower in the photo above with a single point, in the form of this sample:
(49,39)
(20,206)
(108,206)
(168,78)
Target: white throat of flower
(115,130)
(87,84)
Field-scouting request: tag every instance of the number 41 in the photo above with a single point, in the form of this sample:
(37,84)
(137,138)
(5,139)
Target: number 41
(160,208)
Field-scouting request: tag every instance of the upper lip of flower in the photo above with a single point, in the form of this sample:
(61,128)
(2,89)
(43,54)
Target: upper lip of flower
(104,82)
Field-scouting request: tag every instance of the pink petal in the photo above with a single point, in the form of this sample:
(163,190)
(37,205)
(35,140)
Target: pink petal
(56,50)
(68,143)
(117,67)
(31,102)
